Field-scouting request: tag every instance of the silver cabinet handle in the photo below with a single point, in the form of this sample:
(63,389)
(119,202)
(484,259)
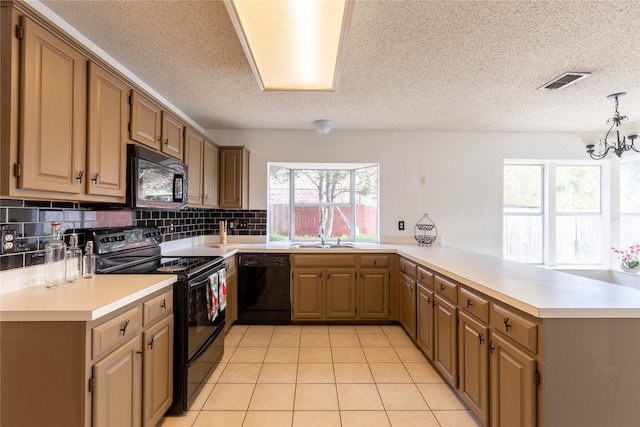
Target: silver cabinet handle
(95,176)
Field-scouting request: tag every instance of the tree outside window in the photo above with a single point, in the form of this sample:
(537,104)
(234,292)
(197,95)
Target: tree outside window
(332,200)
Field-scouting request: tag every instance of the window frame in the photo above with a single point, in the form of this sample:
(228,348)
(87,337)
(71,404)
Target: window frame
(353,169)
(550,212)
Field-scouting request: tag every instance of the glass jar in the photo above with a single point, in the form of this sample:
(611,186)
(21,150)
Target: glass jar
(74,260)
(55,258)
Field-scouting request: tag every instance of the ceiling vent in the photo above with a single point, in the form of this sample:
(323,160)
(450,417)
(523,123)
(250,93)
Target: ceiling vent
(564,80)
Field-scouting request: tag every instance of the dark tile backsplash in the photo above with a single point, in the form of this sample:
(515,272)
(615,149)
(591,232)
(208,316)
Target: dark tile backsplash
(31,222)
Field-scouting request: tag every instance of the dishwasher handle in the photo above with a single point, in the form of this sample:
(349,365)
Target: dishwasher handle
(264,260)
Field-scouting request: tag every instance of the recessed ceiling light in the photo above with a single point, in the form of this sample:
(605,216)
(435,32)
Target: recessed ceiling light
(293,44)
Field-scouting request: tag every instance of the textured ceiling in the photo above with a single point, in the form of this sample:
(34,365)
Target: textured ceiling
(409,65)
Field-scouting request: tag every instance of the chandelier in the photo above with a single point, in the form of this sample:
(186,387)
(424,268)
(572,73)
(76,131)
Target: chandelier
(618,142)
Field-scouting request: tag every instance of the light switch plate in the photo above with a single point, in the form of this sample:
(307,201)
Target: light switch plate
(400,225)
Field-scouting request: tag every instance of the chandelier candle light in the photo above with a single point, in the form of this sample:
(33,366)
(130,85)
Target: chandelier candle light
(618,143)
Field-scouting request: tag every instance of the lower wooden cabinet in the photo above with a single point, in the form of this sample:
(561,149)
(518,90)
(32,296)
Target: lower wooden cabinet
(324,293)
(373,300)
(232,291)
(157,371)
(445,356)
(407,304)
(307,294)
(513,385)
(117,387)
(349,288)
(486,350)
(341,293)
(473,365)
(114,371)
(424,320)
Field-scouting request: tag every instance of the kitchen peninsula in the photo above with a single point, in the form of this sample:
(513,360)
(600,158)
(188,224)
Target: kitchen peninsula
(564,347)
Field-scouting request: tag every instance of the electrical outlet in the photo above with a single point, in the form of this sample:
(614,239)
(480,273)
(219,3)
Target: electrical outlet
(243,224)
(8,241)
(400,225)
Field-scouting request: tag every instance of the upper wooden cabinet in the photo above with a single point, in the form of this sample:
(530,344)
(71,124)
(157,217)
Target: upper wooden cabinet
(156,128)
(67,116)
(52,130)
(201,156)
(210,174)
(234,177)
(107,119)
(146,121)
(193,150)
(172,136)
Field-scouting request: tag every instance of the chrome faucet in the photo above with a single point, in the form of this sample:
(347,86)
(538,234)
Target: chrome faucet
(321,236)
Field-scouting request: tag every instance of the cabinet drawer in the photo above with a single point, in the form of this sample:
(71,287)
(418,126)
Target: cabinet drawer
(115,331)
(374,260)
(425,277)
(157,308)
(474,303)
(324,260)
(407,267)
(521,330)
(446,288)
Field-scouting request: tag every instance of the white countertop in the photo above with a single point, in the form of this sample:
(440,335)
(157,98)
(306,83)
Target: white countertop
(86,300)
(541,292)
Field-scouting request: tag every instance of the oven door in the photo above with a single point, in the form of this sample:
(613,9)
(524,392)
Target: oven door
(206,311)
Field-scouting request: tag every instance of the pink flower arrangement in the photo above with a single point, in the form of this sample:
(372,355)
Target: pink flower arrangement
(629,257)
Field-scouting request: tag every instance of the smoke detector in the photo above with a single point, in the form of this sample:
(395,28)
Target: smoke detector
(564,80)
(323,126)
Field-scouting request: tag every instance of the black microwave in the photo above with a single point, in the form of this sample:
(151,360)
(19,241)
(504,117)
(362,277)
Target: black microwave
(155,180)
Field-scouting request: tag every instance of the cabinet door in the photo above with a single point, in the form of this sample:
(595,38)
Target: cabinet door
(374,294)
(234,177)
(408,304)
(52,114)
(473,354)
(210,179)
(232,298)
(117,393)
(513,387)
(157,388)
(107,121)
(424,313)
(146,120)
(172,136)
(445,355)
(341,293)
(193,156)
(307,293)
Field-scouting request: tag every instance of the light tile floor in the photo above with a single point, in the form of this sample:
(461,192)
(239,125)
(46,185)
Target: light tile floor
(325,376)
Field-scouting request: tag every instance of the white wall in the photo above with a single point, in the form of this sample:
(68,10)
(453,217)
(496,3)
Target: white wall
(463,195)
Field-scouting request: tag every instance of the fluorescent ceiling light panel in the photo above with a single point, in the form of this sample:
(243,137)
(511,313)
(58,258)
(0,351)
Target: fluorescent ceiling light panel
(293,44)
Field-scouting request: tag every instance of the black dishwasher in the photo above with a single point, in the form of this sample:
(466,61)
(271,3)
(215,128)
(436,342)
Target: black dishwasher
(263,289)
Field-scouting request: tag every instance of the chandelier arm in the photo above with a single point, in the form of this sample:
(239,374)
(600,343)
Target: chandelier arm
(604,140)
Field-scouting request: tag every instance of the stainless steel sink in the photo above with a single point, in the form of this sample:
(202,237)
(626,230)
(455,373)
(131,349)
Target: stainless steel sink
(321,246)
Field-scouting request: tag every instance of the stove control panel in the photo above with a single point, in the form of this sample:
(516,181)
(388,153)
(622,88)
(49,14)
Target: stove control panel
(111,240)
